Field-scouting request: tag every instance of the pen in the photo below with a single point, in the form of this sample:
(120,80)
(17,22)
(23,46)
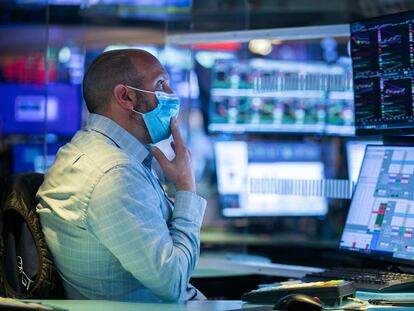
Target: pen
(393,302)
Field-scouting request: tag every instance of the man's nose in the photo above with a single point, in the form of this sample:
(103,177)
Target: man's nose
(168,89)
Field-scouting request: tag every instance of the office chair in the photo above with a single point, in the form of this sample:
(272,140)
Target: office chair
(27,269)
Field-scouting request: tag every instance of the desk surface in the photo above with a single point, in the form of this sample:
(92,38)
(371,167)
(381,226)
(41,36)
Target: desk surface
(217,305)
(103,305)
(232,264)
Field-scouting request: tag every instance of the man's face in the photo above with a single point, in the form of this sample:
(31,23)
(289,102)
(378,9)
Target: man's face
(155,79)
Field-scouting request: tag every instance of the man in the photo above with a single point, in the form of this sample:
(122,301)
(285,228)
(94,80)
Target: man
(112,230)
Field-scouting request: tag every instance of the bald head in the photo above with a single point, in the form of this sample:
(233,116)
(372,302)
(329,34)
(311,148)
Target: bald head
(108,70)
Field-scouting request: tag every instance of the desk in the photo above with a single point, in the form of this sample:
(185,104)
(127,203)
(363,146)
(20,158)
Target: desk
(279,247)
(103,305)
(218,305)
(212,265)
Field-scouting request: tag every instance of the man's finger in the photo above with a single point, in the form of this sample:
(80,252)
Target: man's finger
(172,144)
(161,158)
(175,131)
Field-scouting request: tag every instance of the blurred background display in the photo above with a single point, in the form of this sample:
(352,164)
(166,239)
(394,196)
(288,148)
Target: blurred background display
(271,96)
(244,170)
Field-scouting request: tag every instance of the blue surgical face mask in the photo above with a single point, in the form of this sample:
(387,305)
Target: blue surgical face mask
(158,119)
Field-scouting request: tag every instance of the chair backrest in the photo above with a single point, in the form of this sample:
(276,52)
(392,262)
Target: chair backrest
(27,269)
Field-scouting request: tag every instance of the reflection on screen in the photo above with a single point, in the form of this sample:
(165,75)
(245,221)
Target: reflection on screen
(238,163)
(355,151)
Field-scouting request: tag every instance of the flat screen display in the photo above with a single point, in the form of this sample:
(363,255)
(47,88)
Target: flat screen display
(27,109)
(382,52)
(267,96)
(380,220)
(246,169)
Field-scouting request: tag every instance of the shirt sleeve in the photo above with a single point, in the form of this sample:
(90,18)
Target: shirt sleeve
(125,216)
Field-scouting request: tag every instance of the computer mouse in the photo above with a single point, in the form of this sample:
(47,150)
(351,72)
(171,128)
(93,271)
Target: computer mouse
(298,302)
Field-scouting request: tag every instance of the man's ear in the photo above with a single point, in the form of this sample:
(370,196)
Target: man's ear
(124,97)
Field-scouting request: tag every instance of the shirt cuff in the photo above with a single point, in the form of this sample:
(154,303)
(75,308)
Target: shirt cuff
(190,206)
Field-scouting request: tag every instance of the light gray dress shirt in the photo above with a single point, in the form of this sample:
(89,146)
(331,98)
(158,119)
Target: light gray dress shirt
(112,230)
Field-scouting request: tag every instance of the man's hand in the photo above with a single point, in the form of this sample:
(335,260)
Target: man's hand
(179,170)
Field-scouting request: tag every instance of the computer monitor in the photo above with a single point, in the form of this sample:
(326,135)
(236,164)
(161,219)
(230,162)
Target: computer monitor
(23,109)
(380,220)
(240,163)
(273,96)
(355,151)
(382,52)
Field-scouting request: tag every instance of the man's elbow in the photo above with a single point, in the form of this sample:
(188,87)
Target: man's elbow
(173,290)
(172,278)
(171,297)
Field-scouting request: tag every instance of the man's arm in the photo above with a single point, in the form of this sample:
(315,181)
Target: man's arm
(125,215)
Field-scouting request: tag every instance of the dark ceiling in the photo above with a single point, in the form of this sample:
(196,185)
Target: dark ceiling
(97,26)
(213,15)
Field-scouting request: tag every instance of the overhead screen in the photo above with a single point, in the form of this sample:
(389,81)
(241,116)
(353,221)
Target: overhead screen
(383,65)
(268,96)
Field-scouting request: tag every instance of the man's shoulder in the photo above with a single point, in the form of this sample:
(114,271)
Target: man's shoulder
(99,150)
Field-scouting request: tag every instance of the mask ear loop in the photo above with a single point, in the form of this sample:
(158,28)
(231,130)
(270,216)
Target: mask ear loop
(140,90)
(137,89)
(136,111)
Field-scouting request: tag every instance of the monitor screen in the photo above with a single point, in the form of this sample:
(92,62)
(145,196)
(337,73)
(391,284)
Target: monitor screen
(23,109)
(153,10)
(30,157)
(240,165)
(164,10)
(269,96)
(380,220)
(382,52)
(355,151)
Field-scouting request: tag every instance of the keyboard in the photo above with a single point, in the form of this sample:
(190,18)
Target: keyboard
(367,279)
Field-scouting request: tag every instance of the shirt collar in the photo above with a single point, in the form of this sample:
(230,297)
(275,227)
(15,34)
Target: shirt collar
(121,137)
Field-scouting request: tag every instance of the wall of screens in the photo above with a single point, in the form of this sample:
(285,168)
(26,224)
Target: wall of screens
(276,96)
